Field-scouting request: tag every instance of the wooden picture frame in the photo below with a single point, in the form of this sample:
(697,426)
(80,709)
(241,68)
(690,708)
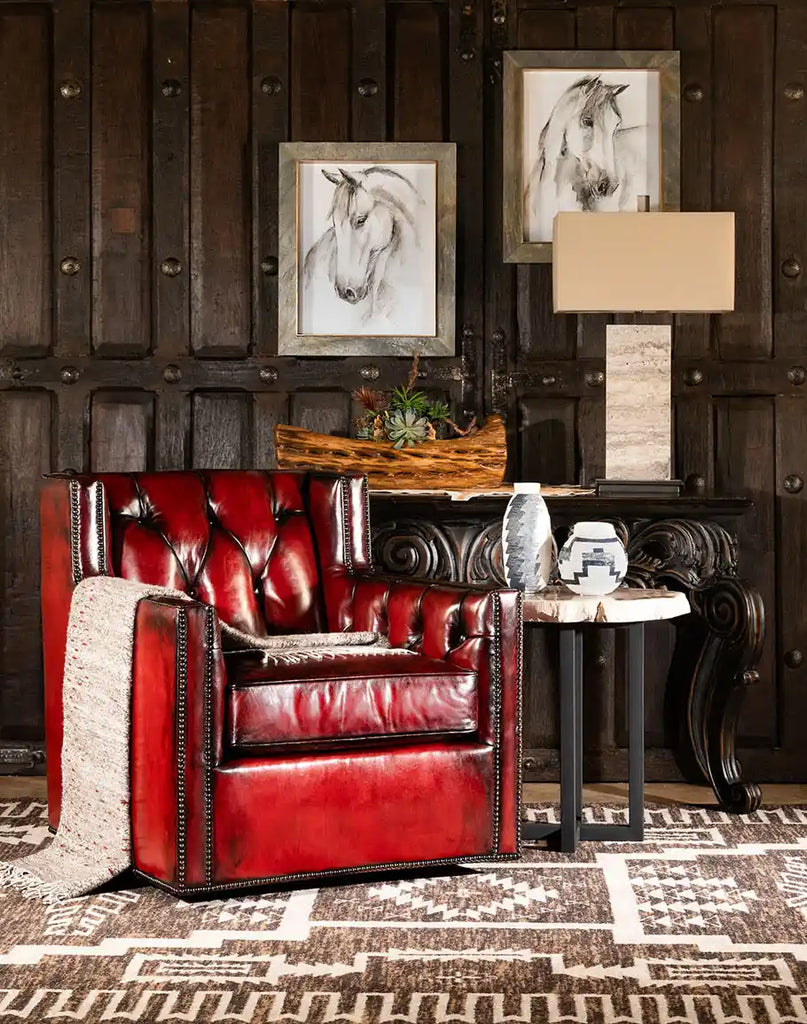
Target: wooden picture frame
(367,249)
(566,145)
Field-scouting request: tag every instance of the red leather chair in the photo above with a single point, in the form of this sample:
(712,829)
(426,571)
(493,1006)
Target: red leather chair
(247,768)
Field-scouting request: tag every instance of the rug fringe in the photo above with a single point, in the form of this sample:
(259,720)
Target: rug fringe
(31,886)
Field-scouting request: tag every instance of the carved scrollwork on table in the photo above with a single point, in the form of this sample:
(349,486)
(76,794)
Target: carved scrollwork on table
(677,552)
(483,557)
(413,548)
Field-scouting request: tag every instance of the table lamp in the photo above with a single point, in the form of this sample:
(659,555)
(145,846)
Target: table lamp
(640,263)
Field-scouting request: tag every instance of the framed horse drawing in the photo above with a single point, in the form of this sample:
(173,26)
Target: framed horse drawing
(367,249)
(588,130)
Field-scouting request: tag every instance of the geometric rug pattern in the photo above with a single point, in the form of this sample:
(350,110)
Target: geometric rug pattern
(706,921)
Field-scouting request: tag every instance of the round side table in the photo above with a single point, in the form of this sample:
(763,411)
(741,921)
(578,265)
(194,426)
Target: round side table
(628,607)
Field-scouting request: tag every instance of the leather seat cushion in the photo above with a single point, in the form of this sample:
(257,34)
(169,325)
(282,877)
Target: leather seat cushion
(323,697)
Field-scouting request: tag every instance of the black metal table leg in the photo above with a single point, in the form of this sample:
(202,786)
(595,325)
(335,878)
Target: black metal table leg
(571,829)
(636,726)
(571,737)
(634,830)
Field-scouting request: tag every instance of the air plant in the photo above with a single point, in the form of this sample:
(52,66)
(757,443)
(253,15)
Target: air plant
(370,400)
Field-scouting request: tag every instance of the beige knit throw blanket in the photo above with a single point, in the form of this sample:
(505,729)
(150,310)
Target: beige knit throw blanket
(93,843)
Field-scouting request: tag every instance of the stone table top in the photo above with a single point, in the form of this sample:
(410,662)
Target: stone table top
(627,604)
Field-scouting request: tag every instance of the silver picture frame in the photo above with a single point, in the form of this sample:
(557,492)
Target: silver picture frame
(516,246)
(292,262)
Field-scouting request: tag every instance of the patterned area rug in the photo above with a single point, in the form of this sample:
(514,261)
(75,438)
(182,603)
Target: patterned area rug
(704,922)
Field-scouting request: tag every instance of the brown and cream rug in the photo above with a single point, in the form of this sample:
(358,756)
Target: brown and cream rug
(704,922)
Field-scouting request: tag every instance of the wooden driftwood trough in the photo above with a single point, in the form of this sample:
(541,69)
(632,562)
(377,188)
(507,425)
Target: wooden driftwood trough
(476,461)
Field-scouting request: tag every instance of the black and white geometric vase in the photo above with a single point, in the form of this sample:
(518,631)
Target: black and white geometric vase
(527,545)
(593,560)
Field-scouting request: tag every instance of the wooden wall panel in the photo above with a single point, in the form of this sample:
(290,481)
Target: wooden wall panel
(590,440)
(791,536)
(25,249)
(72,271)
(221,318)
(170,35)
(694,443)
(320,37)
(743,154)
(548,432)
(789,192)
(121,131)
(692,334)
(270,409)
(121,432)
(172,430)
(368,115)
(25,454)
(270,126)
(221,430)
(645,28)
(417,70)
(595,27)
(465,90)
(327,412)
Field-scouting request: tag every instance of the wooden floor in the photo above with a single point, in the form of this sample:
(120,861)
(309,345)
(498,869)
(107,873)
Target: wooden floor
(773,794)
(534,792)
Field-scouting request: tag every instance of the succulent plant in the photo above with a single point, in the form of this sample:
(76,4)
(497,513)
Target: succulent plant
(364,429)
(438,411)
(405,428)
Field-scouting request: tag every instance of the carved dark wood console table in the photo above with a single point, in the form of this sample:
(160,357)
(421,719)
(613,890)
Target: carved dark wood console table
(684,544)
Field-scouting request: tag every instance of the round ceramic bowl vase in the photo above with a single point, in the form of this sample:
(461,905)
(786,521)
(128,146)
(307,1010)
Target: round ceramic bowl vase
(593,560)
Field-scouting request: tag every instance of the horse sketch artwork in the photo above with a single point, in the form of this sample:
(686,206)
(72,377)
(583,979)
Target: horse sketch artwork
(367,248)
(591,142)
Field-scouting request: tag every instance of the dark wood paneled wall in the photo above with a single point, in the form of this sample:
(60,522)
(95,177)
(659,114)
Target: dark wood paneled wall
(138,259)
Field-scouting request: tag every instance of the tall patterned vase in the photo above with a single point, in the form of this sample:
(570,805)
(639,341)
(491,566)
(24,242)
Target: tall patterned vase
(527,544)
(592,561)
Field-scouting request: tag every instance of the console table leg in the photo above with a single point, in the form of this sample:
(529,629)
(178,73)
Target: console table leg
(734,617)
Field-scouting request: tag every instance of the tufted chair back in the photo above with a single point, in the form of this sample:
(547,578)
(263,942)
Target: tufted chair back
(269,550)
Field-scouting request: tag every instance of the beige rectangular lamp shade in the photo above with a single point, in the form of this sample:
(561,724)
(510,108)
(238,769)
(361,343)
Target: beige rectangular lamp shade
(643,262)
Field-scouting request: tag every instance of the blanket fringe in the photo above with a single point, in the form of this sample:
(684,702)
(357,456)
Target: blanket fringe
(31,886)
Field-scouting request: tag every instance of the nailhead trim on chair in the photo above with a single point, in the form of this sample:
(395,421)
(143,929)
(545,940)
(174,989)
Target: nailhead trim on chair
(100,526)
(208,754)
(181,703)
(75,531)
(305,876)
(368,540)
(496,686)
(346,523)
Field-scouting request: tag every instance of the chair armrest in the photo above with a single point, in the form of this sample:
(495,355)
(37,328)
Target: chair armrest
(473,627)
(177,729)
